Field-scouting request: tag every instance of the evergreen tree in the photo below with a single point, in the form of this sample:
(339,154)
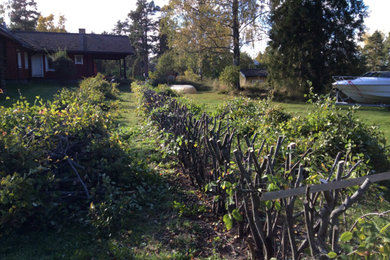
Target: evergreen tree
(313,40)
(386,44)
(23,15)
(143,28)
(2,14)
(374,52)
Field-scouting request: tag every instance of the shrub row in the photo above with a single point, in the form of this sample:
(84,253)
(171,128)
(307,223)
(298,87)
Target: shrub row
(62,160)
(236,179)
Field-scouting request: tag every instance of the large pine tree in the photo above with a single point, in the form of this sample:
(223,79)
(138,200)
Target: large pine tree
(143,27)
(374,52)
(313,40)
(23,15)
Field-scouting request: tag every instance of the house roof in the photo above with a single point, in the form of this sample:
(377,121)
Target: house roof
(76,42)
(248,73)
(6,33)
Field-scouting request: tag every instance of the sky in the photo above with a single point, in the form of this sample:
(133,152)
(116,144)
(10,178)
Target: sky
(98,16)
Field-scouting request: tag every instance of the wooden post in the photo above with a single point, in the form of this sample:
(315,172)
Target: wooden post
(2,66)
(120,68)
(124,68)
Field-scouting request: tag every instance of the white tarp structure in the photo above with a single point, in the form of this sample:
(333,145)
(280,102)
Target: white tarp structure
(185,89)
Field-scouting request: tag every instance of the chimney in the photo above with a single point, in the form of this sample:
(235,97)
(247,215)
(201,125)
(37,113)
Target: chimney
(83,40)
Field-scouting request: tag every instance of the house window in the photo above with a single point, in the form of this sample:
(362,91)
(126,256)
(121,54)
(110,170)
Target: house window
(26,60)
(19,54)
(49,64)
(78,59)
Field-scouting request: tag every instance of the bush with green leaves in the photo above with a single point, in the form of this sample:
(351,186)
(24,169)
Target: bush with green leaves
(165,69)
(327,129)
(63,65)
(247,116)
(230,75)
(204,147)
(368,238)
(56,154)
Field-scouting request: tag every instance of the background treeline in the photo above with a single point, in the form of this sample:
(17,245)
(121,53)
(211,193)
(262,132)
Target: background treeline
(308,42)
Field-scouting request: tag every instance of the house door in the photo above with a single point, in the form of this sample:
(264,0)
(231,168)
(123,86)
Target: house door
(37,66)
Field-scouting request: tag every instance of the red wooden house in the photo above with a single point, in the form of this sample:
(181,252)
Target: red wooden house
(25,55)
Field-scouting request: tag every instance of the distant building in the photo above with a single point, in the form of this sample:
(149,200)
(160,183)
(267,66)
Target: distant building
(252,76)
(25,55)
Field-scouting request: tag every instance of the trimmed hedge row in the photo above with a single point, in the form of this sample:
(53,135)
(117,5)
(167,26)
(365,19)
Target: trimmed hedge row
(236,178)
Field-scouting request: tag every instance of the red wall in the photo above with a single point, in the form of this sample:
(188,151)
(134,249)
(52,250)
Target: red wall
(85,70)
(12,72)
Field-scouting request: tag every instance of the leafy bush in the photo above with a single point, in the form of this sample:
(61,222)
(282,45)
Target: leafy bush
(165,69)
(204,147)
(329,130)
(247,116)
(230,75)
(63,65)
(57,155)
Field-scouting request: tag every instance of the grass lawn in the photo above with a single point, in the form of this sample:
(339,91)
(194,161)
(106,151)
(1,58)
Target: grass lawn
(30,91)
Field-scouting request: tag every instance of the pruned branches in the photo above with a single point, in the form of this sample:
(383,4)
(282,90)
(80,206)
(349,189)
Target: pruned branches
(259,184)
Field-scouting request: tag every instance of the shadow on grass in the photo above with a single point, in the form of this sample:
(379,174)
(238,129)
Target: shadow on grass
(30,91)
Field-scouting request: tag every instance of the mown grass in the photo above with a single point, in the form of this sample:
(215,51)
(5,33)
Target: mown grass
(30,91)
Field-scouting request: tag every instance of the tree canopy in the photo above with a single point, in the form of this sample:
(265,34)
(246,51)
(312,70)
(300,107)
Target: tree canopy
(207,28)
(46,24)
(313,40)
(142,27)
(375,53)
(23,15)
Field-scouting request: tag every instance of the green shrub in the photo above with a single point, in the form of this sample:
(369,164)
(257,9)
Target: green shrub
(230,75)
(326,129)
(165,69)
(329,130)
(63,65)
(248,116)
(55,157)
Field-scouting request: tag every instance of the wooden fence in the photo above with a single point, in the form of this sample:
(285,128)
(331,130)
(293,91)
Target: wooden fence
(324,186)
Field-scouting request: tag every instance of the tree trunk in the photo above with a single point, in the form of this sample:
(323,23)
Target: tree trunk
(145,54)
(236,40)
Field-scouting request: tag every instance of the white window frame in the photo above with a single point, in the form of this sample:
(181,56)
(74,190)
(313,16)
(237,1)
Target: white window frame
(79,59)
(47,68)
(26,60)
(19,55)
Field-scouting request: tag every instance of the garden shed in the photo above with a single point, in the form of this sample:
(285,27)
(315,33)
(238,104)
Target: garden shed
(252,76)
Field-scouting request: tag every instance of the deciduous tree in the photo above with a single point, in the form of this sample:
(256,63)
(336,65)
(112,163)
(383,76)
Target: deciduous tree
(46,24)
(212,26)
